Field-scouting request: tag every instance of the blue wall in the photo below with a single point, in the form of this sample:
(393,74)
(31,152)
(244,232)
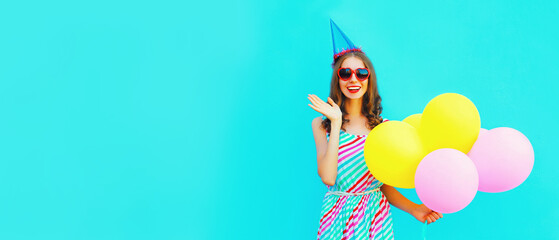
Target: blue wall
(189,120)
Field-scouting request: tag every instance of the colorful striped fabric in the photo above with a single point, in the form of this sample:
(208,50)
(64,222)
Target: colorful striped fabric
(364,216)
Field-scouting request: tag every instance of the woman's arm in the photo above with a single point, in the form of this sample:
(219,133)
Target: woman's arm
(327,151)
(419,211)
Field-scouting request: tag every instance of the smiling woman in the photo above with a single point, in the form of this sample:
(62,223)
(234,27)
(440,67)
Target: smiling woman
(357,205)
(355,87)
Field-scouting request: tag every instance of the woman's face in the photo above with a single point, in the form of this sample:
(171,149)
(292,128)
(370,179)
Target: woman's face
(353,88)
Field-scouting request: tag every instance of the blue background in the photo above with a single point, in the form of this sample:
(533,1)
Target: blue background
(189,120)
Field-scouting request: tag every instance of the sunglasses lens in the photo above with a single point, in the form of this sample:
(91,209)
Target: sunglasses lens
(345,73)
(362,74)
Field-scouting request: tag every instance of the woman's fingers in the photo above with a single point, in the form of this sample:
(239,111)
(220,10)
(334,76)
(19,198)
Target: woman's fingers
(315,108)
(440,214)
(318,102)
(332,102)
(312,96)
(318,99)
(431,219)
(435,215)
(314,100)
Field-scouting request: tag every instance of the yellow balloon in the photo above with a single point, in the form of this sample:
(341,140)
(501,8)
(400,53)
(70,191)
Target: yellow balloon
(392,151)
(413,120)
(449,120)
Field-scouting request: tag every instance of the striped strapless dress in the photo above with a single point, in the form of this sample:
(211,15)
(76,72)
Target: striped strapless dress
(354,207)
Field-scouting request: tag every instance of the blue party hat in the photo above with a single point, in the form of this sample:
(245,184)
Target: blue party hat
(341,42)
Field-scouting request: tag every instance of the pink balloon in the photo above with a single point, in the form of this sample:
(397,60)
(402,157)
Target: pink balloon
(446,180)
(504,158)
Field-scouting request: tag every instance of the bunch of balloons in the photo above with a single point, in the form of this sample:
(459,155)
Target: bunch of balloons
(446,156)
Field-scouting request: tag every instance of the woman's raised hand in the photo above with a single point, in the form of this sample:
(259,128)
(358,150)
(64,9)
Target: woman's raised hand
(331,110)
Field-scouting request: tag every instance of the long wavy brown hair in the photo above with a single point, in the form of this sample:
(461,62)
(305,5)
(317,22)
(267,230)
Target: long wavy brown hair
(371,107)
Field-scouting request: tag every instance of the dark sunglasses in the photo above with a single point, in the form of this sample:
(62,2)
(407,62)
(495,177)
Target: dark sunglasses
(361,74)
